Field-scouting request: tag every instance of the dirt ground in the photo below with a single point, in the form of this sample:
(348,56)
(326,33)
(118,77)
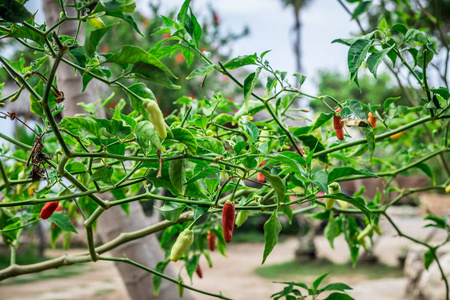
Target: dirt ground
(233,275)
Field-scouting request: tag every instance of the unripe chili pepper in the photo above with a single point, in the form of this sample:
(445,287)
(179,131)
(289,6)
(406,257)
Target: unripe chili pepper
(199,271)
(156,117)
(48,209)
(261,177)
(338,127)
(368,230)
(333,188)
(447,189)
(180,287)
(377,229)
(182,244)
(228,220)
(241,217)
(372,120)
(211,241)
(208,258)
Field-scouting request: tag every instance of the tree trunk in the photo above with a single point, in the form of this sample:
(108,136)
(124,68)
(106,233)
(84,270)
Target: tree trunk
(297,45)
(147,250)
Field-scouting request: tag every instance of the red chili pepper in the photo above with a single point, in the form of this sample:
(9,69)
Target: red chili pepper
(211,240)
(338,127)
(261,177)
(48,209)
(372,120)
(199,271)
(228,212)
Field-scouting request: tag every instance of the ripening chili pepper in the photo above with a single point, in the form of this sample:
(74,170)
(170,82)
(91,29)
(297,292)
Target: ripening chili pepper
(372,120)
(397,135)
(338,127)
(211,241)
(333,188)
(182,244)
(48,209)
(199,271)
(228,220)
(447,189)
(261,177)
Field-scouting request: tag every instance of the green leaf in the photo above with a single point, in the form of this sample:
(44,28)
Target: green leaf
(317,282)
(142,91)
(312,142)
(177,175)
(375,59)
(183,12)
(126,17)
(362,7)
(171,210)
(348,171)
(152,73)
(387,103)
(253,107)
(240,61)
(332,230)
(438,222)
(94,37)
(75,167)
(130,54)
(203,174)
(27,33)
(147,130)
(116,5)
(356,55)
(339,296)
(370,136)
(13,11)
(277,184)
(192,265)
(427,170)
(157,280)
(202,71)
(320,178)
(354,107)
(428,258)
(86,124)
(252,131)
(400,27)
(272,229)
(103,173)
(358,202)
(185,137)
(337,286)
(322,119)
(249,84)
(62,221)
(415,35)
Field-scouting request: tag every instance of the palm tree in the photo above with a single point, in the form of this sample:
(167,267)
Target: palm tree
(297,5)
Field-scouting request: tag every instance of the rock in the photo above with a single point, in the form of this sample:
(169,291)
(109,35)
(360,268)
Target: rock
(426,284)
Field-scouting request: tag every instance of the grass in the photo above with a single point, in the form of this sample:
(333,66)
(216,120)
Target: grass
(308,271)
